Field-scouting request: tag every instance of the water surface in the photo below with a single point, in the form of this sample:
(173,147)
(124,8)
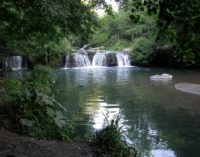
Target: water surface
(159,120)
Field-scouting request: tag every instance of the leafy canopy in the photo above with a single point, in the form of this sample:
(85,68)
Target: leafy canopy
(40,26)
(178,23)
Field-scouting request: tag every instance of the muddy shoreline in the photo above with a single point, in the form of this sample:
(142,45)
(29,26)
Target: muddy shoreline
(14,145)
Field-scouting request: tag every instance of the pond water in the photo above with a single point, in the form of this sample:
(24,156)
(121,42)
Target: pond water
(159,120)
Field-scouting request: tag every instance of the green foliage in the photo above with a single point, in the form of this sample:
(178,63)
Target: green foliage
(32,110)
(41,79)
(109,142)
(119,45)
(44,28)
(118,32)
(142,50)
(113,29)
(182,28)
(14,88)
(178,23)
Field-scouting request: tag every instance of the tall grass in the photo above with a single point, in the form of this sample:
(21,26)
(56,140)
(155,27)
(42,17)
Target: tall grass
(110,142)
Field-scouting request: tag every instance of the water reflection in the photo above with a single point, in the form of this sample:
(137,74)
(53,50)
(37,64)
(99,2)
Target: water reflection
(80,76)
(123,75)
(156,117)
(141,132)
(147,138)
(103,113)
(163,153)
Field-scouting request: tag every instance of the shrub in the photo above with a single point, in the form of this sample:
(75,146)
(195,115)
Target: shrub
(142,50)
(41,79)
(13,89)
(32,110)
(119,45)
(109,142)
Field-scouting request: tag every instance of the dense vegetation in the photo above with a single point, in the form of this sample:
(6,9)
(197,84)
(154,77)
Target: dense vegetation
(160,33)
(119,32)
(44,29)
(31,109)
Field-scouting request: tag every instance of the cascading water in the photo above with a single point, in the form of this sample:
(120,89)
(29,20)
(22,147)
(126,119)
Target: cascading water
(99,59)
(81,60)
(14,62)
(77,60)
(123,59)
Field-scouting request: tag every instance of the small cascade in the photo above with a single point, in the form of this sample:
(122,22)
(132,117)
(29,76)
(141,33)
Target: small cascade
(67,61)
(77,60)
(14,62)
(99,59)
(123,59)
(81,60)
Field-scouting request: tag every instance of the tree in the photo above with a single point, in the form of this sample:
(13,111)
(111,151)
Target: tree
(178,23)
(38,27)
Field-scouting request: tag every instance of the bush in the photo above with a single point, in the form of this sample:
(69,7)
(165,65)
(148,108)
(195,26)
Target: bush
(119,45)
(109,142)
(142,50)
(13,89)
(41,79)
(32,110)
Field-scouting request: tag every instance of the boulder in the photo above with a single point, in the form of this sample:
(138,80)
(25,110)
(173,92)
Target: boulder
(111,59)
(161,77)
(188,88)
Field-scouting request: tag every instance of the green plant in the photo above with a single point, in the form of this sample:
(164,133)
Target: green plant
(120,45)
(31,108)
(142,50)
(109,142)
(41,79)
(13,88)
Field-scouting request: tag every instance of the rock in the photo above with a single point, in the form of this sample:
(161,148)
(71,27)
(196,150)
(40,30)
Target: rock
(69,61)
(161,77)
(32,61)
(128,49)
(111,59)
(188,88)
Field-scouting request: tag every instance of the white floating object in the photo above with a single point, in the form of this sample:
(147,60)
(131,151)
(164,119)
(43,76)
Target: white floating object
(188,88)
(161,77)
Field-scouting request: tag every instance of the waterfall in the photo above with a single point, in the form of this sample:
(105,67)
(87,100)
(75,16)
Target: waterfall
(67,61)
(123,59)
(77,60)
(14,62)
(99,59)
(81,60)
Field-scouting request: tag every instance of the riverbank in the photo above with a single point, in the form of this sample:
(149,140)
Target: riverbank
(14,145)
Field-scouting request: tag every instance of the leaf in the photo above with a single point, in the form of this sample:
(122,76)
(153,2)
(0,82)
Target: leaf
(44,99)
(59,119)
(26,122)
(50,112)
